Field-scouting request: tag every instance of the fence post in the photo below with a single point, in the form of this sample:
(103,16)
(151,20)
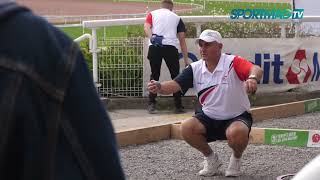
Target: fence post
(297,28)
(94,52)
(283,30)
(104,34)
(198,28)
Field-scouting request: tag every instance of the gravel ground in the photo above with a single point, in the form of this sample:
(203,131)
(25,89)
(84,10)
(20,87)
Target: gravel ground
(174,159)
(309,121)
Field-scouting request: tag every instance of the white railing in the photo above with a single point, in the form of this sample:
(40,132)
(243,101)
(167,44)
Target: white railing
(198,20)
(67,20)
(195,19)
(84,37)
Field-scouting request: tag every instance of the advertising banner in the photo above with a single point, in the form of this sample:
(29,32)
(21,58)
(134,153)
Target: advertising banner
(293,138)
(286,137)
(287,63)
(312,106)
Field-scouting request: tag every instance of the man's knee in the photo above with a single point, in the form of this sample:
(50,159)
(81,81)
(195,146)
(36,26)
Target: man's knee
(187,127)
(237,131)
(191,127)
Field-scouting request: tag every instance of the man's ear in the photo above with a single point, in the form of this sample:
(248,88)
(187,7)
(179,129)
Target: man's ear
(171,7)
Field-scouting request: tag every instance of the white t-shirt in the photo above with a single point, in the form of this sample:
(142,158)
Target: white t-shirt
(221,93)
(167,24)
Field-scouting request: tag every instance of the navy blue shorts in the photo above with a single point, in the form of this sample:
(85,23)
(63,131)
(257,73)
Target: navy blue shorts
(216,129)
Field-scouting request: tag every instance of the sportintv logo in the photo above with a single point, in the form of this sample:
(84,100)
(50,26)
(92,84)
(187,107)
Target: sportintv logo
(266,13)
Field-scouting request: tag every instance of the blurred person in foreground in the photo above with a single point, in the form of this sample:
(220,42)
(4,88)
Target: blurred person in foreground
(222,83)
(310,171)
(53,125)
(166,31)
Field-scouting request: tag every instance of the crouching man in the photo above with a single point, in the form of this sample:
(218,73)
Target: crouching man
(222,83)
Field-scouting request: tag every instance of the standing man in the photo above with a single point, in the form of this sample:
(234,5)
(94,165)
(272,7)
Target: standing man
(53,124)
(165,30)
(222,82)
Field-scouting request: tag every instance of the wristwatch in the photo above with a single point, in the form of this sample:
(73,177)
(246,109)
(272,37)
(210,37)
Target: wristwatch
(252,76)
(158,84)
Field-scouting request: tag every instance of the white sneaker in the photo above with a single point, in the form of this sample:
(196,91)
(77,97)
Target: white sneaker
(210,165)
(234,167)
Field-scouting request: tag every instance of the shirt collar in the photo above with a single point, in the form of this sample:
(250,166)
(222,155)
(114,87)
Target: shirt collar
(218,68)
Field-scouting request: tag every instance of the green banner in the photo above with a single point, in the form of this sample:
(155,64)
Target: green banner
(312,106)
(286,137)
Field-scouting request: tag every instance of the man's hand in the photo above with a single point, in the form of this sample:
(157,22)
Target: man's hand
(154,86)
(251,86)
(156,40)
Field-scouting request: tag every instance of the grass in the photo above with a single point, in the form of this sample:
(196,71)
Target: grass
(115,31)
(211,8)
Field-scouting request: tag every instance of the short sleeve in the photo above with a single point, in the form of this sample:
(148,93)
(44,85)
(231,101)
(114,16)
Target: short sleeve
(242,67)
(185,79)
(149,19)
(181,27)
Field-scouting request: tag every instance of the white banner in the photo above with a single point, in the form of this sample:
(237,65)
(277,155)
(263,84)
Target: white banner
(287,63)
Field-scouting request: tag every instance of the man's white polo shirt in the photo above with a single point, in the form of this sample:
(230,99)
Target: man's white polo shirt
(221,93)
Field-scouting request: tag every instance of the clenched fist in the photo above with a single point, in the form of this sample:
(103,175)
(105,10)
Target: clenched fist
(154,86)
(251,86)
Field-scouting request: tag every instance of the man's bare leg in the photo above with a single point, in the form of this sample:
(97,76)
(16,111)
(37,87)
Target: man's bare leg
(193,132)
(237,136)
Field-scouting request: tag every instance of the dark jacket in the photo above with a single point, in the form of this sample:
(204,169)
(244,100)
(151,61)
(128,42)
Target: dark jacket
(52,123)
